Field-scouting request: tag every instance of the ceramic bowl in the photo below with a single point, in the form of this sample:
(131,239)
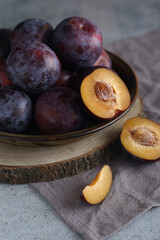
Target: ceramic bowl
(124,71)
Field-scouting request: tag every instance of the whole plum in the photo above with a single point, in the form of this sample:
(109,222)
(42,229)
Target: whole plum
(65,79)
(30,29)
(33,67)
(4,43)
(59,110)
(77,42)
(16,110)
(103,60)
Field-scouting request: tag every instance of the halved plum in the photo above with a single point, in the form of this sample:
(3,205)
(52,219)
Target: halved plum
(105,94)
(141,138)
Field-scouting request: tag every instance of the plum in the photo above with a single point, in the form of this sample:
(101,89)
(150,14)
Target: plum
(79,75)
(4,80)
(30,29)
(59,110)
(103,60)
(16,110)
(77,42)
(105,94)
(65,79)
(4,43)
(33,67)
(140,137)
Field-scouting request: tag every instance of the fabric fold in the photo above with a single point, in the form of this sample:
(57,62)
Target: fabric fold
(136,185)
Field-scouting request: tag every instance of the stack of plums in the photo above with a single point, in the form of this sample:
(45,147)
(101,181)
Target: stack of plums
(52,76)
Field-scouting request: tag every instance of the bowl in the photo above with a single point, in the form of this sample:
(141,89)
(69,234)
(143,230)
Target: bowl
(124,71)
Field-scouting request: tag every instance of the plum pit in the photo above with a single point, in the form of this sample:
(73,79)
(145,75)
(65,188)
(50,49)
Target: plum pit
(144,137)
(104,91)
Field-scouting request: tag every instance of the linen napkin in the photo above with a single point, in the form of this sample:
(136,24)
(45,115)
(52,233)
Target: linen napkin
(136,186)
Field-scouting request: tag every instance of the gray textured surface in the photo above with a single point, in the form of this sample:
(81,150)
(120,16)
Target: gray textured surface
(24,214)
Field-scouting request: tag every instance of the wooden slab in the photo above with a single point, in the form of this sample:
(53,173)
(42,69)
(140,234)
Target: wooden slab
(20,164)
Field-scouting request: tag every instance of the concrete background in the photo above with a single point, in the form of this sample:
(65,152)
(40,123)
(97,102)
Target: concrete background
(24,214)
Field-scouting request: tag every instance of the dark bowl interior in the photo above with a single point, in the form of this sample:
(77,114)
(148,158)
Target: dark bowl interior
(33,139)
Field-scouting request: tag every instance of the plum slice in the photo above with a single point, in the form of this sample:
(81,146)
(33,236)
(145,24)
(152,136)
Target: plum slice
(141,138)
(99,188)
(105,94)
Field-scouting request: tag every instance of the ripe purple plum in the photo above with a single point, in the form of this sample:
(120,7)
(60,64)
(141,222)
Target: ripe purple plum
(77,42)
(16,110)
(65,79)
(59,110)
(103,60)
(4,43)
(30,29)
(33,67)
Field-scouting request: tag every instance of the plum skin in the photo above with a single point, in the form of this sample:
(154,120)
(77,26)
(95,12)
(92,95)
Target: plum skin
(103,60)
(59,110)
(77,42)
(4,80)
(32,28)
(16,110)
(65,79)
(33,67)
(134,157)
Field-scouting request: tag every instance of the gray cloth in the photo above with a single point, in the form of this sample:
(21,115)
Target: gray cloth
(136,186)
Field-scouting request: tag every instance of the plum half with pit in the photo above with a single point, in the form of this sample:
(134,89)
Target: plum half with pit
(77,42)
(105,94)
(31,29)
(59,110)
(16,110)
(79,75)
(140,137)
(33,67)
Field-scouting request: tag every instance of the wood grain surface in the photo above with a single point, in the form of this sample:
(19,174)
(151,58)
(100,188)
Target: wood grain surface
(20,164)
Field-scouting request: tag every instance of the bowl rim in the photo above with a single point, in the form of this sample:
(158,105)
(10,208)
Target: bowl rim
(78,133)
